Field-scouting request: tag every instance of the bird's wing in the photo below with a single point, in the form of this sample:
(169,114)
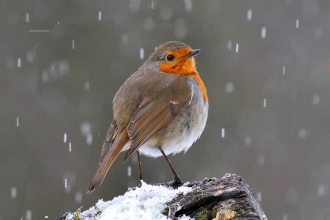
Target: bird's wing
(152,116)
(112,131)
(113,144)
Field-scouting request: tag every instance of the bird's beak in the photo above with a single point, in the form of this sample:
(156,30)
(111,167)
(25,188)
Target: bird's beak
(193,53)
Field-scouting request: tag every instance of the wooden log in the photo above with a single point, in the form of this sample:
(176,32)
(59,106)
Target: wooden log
(217,199)
(228,198)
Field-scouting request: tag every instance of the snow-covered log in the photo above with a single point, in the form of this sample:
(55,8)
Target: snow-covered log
(215,199)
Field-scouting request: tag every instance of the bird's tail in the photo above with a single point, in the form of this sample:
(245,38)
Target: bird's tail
(107,161)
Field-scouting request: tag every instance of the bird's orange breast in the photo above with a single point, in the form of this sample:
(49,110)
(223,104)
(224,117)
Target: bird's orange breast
(201,85)
(185,66)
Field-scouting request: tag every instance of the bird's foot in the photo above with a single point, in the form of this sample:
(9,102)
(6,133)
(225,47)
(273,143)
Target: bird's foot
(140,184)
(176,183)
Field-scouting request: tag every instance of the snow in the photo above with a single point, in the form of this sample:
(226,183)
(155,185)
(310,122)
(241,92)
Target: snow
(145,202)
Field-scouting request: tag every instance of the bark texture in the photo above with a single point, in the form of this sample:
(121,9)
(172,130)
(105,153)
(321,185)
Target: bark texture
(217,199)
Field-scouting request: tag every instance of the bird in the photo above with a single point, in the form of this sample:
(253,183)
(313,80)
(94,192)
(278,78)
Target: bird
(160,109)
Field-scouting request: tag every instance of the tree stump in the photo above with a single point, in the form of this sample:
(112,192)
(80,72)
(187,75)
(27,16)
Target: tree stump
(228,198)
(217,199)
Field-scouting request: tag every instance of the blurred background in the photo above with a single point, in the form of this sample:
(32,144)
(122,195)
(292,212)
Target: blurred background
(265,64)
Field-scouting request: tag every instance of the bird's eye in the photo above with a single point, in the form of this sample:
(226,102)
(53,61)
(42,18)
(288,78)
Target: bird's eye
(170,57)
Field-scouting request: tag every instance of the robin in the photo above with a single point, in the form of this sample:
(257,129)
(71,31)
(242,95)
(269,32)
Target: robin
(160,109)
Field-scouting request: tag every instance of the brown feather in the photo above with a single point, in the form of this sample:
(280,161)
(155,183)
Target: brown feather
(111,135)
(152,117)
(110,152)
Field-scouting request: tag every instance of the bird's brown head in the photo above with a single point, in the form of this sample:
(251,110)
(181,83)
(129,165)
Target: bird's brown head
(175,57)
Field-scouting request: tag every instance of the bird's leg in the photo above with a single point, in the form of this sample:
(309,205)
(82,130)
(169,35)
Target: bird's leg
(177,181)
(139,165)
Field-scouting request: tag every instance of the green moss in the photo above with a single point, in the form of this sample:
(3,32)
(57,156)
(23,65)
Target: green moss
(202,214)
(76,214)
(165,211)
(243,212)
(214,212)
